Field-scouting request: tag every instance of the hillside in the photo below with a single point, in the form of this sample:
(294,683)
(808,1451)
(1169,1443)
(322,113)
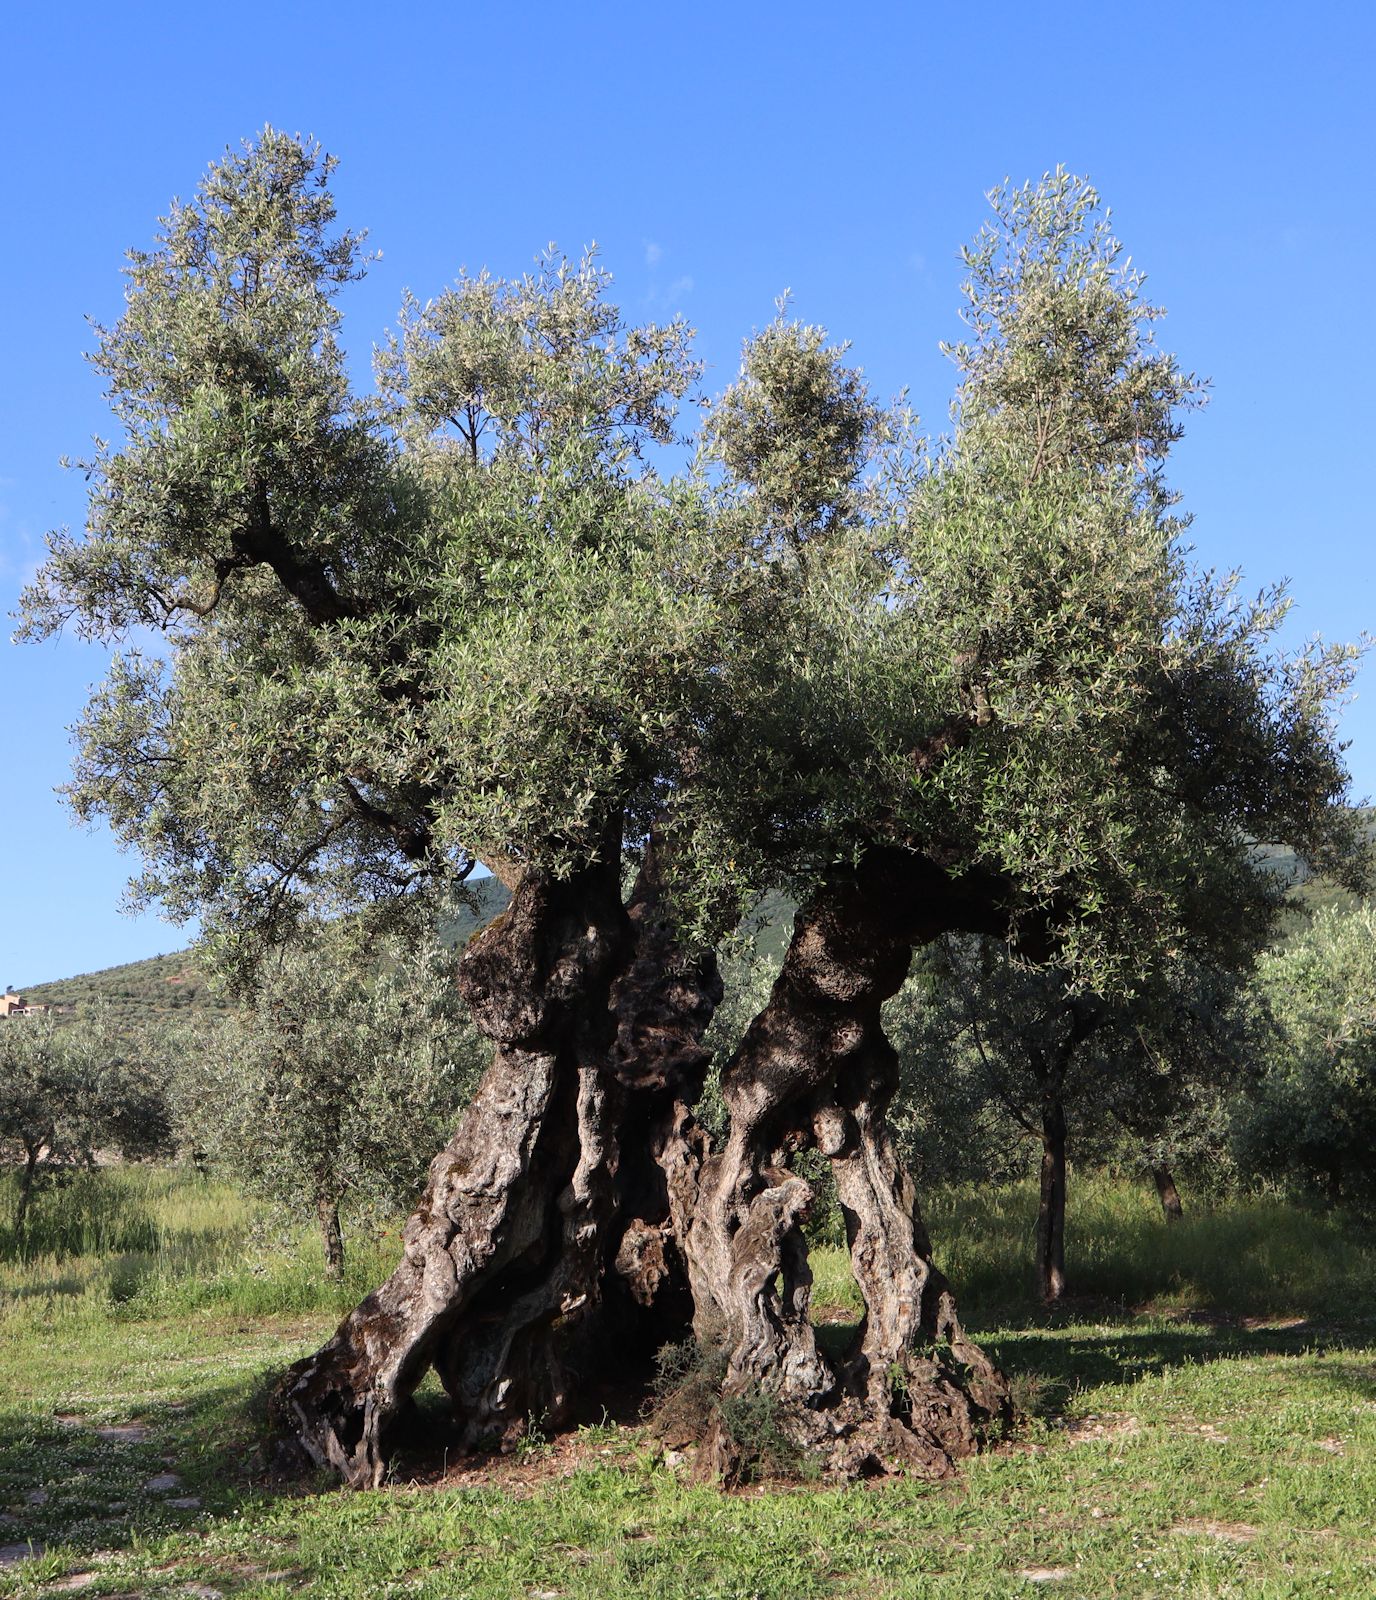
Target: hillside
(161,986)
(177,986)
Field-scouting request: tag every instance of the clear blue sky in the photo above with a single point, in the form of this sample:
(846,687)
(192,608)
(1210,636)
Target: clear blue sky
(718,154)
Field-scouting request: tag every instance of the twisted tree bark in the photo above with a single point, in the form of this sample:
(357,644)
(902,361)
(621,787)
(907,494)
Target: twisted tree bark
(506,1236)
(815,1069)
(579,1195)
(550,1208)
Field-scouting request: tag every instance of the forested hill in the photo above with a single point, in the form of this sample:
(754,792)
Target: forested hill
(161,986)
(175,985)
(1312,893)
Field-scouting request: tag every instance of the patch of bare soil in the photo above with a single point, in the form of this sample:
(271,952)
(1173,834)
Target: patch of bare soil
(1110,1425)
(531,1465)
(1208,1527)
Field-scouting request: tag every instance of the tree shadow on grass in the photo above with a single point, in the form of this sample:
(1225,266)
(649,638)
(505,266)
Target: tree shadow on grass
(1063,1361)
(87,1487)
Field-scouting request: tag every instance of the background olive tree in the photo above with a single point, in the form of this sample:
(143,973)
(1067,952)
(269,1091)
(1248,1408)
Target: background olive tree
(1309,1116)
(71,1087)
(334,1081)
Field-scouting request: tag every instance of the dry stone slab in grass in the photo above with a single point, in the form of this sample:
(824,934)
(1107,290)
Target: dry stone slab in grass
(186,1502)
(124,1432)
(161,1482)
(1044,1574)
(12,1554)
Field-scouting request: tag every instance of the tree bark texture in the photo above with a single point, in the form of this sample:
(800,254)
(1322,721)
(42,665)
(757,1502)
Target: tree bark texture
(1051,1209)
(505,1237)
(1171,1207)
(331,1236)
(548,1215)
(815,1070)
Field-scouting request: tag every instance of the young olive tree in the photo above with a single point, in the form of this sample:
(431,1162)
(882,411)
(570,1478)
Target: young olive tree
(1069,1070)
(334,1081)
(465,620)
(1311,1116)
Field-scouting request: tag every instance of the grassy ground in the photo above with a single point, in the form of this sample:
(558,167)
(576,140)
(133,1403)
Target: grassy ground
(1205,1425)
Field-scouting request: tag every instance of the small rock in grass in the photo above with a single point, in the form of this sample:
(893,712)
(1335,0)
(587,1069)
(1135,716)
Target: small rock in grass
(186,1502)
(36,1497)
(124,1432)
(161,1482)
(12,1554)
(1044,1574)
(73,1580)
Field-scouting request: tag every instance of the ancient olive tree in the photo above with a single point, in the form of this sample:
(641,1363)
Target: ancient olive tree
(404,634)
(465,620)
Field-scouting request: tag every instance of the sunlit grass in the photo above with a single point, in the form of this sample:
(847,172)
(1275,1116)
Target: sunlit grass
(145,1240)
(1167,1457)
(1255,1256)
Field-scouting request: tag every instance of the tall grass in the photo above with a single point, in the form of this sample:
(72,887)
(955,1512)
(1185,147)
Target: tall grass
(1248,1255)
(144,1241)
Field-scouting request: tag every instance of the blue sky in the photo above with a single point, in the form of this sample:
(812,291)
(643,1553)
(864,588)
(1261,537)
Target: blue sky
(717,154)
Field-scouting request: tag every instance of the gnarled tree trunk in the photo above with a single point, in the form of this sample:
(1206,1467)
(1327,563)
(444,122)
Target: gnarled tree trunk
(507,1233)
(815,1069)
(578,1193)
(549,1211)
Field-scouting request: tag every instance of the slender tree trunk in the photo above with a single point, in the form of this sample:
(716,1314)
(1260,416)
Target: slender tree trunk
(331,1236)
(26,1183)
(1167,1193)
(815,1069)
(1051,1211)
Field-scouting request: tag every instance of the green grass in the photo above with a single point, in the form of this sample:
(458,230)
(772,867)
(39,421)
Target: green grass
(1245,1257)
(134,1242)
(1193,1438)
